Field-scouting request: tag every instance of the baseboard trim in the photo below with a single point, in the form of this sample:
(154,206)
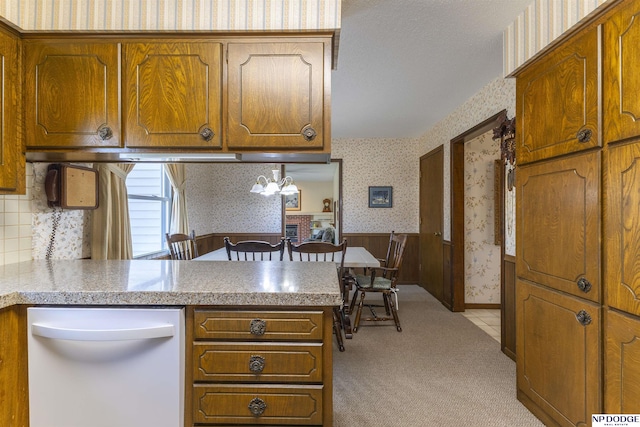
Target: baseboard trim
(485,306)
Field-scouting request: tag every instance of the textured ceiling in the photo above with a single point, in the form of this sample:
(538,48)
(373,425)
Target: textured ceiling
(403,65)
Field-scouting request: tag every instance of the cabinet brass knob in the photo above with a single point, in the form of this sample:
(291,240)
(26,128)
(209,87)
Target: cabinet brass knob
(256,364)
(257,406)
(583,318)
(584,285)
(207,134)
(584,135)
(309,133)
(105,133)
(257,327)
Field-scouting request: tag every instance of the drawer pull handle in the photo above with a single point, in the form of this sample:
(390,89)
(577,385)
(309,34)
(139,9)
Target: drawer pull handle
(584,135)
(256,364)
(258,327)
(584,285)
(583,318)
(257,406)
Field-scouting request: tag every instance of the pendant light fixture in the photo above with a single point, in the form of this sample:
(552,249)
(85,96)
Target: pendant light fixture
(269,186)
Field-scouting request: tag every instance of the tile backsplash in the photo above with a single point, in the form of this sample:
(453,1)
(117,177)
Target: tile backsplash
(16,225)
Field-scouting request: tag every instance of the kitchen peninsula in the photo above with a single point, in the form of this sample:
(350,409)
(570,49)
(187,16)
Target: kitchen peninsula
(291,301)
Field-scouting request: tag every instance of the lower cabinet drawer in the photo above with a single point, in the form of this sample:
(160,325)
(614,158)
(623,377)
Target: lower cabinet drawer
(258,325)
(257,405)
(257,362)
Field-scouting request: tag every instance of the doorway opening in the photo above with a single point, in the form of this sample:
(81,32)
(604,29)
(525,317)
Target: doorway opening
(319,203)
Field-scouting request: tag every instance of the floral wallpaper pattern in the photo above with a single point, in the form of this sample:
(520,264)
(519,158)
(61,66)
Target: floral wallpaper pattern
(379,162)
(498,95)
(218,199)
(482,257)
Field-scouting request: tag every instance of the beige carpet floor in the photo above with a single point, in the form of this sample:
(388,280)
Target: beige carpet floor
(441,370)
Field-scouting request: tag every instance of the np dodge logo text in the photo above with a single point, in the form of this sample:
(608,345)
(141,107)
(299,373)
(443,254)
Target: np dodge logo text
(615,418)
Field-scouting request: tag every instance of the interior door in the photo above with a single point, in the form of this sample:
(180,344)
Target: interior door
(431,217)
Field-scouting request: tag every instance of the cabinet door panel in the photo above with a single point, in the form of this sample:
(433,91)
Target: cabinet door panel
(557,102)
(12,162)
(276,92)
(558,224)
(622,370)
(621,77)
(72,94)
(173,95)
(622,227)
(558,358)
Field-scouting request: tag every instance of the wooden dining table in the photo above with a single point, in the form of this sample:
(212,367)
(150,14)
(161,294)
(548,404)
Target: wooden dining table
(355,257)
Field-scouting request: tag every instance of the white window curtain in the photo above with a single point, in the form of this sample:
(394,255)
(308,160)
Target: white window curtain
(111,230)
(178,177)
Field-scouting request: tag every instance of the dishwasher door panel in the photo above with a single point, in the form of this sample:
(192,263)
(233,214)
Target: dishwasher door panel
(105,367)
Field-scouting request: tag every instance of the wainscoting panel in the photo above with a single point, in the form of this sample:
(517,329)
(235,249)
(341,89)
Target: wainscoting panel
(377,244)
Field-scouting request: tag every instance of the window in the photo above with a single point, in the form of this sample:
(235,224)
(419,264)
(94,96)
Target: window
(149,193)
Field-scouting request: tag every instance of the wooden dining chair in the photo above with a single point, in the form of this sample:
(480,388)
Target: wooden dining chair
(315,251)
(253,250)
(381,280)
(182,246)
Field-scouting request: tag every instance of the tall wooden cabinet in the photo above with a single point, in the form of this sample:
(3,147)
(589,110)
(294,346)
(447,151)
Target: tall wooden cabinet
(12,161)
(578,246)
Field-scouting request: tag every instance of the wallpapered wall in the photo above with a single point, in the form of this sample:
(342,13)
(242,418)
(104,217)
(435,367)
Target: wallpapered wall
(379,162)
(172,14)
(481,255)
(218,199)
(498,95)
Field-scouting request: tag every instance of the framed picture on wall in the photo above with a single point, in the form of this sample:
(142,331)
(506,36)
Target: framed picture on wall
(380,197)
(292,201)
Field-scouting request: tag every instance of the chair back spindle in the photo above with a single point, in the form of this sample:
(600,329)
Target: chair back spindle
(182,246)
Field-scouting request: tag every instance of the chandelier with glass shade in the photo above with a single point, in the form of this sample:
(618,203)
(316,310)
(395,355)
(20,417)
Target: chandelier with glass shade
(270,186)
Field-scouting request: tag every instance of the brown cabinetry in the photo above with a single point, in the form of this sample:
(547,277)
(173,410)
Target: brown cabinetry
(558,353)
(557,101)
(558,217)
(12,161)
(278,96)
(72,94)
(622,371)
(260,367)
(172,95)
(621,83)
(622,227)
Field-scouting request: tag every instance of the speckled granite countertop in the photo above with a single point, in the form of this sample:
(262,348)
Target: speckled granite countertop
(147,282)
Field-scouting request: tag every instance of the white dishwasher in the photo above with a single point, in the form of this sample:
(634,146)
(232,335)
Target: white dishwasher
(106,367)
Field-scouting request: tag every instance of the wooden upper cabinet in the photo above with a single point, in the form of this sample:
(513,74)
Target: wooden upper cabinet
(278,96)
(72,94)
(557,101)
(621,78)
(558,224)
(558,346)
(622,227)
(12,161)
(172,95)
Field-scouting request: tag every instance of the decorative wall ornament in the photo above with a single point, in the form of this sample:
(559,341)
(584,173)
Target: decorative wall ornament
(506,132)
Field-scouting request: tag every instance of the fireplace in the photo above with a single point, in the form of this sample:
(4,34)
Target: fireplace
(291,232)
